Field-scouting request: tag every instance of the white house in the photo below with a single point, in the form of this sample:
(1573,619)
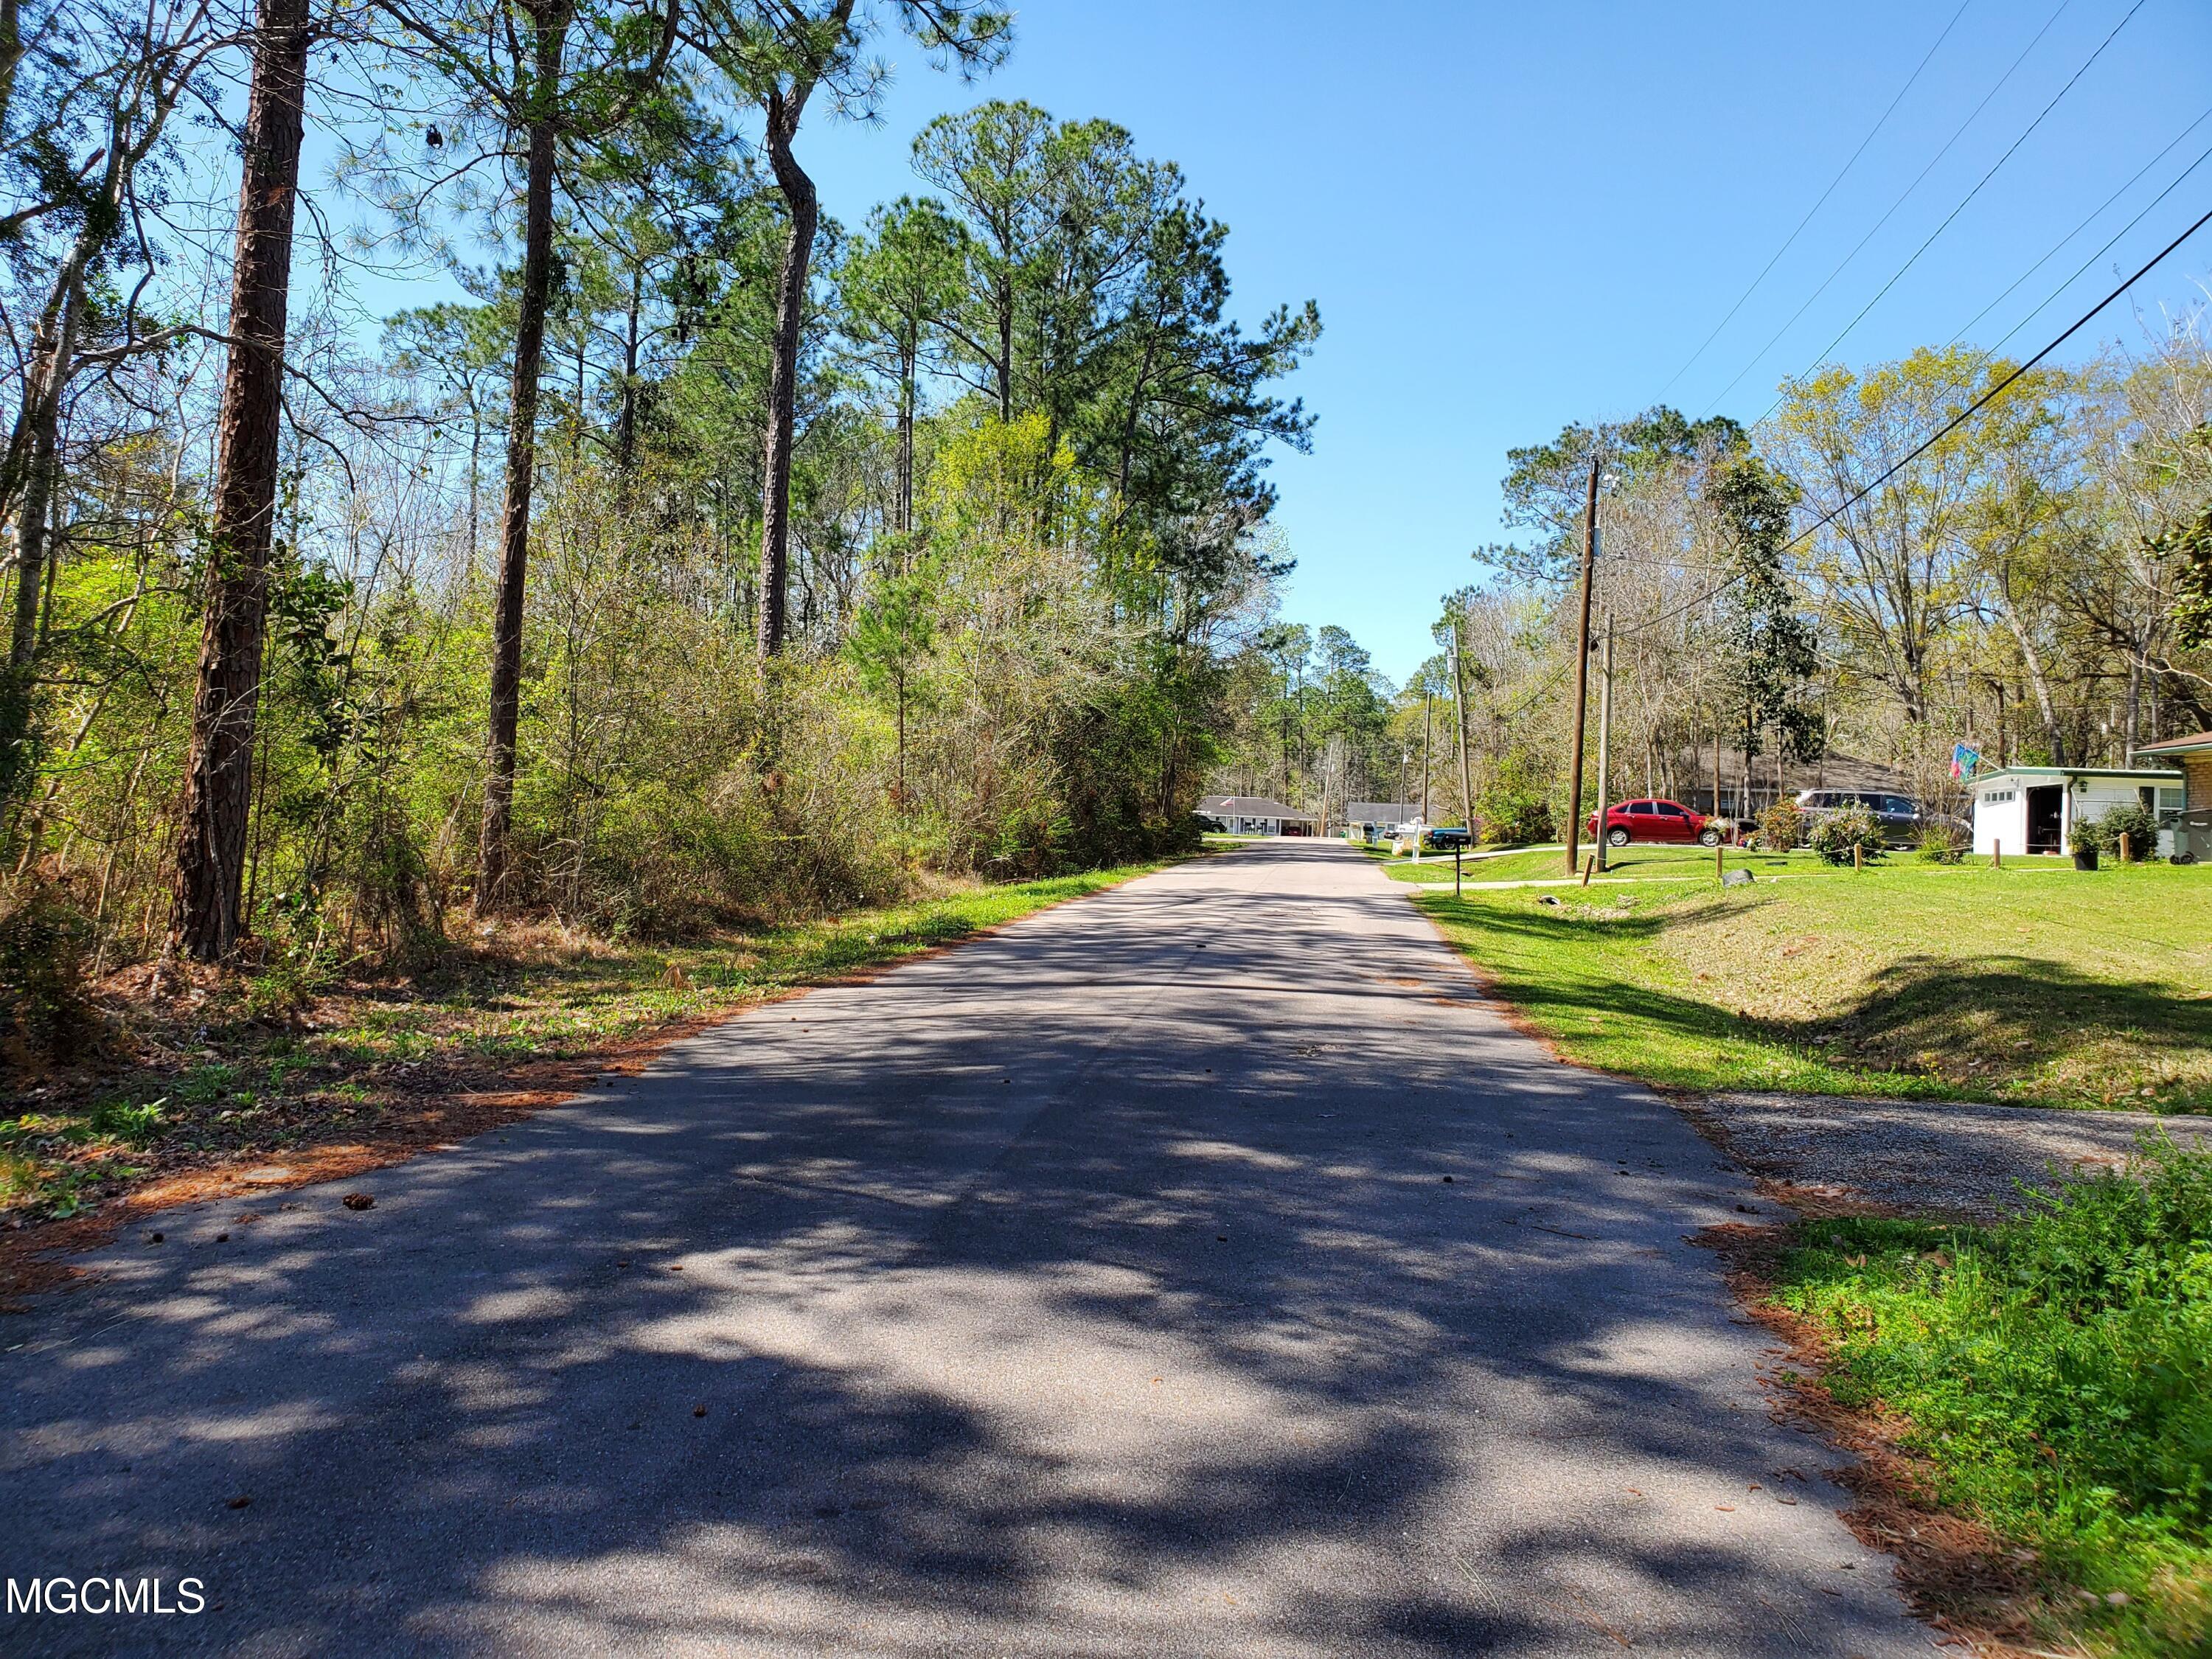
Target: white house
(2031,809)
(1255,815)
(1374,821)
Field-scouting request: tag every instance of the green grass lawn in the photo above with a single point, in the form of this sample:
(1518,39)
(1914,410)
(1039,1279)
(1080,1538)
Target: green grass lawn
(223,1080)
(2033,984)
(2056,1374)
(1549,864)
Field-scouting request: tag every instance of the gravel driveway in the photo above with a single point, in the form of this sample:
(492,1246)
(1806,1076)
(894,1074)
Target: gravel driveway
(1914,1155)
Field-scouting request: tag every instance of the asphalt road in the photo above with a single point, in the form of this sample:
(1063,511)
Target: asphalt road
(1198,1269)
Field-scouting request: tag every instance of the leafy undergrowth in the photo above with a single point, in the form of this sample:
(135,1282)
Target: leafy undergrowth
(2055,1372)
(2033,984)
(237,1068)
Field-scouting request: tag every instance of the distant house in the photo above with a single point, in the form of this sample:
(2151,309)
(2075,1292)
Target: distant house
(1255,815)
(2192,826)
(1374,821)
(2032,809)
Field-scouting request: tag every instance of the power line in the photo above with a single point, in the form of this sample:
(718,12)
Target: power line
(1792,241)
(2002,80)
(1951,425)
(1822,356)
(2179,180)
(1987,397)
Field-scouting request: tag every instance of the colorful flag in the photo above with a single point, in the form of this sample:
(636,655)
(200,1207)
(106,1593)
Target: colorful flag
(1964,760)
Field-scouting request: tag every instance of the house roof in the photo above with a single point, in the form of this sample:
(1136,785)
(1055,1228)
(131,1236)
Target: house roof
(2161,774)
(1249,806)
(2192,744)
(1693,769)
(1382,811)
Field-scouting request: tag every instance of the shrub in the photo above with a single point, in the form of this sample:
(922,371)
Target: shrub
(1943,841)
(2088,835)
(1838,832)
(2139,824)
(46,1011)
(1781,827)
(1516,805)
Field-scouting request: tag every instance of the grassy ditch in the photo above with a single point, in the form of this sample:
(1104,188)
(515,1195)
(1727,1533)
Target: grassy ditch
(242,1069)
(2054,1376)
(2033,984)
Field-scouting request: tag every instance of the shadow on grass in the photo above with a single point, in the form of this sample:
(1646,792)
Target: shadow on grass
(1982,1028)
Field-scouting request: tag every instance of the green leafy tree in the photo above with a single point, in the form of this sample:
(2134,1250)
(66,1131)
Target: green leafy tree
(1771,656)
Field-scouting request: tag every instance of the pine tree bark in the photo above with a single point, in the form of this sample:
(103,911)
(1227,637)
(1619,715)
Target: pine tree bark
(783,113)
(494,862)
(40,418)
(205,921)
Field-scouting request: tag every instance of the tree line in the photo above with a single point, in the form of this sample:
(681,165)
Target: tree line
(705,556)
(2037,587)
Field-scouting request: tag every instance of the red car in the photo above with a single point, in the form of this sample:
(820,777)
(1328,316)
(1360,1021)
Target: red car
(1654,820)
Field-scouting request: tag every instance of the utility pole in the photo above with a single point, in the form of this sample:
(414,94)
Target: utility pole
(1458,720)
(1605,741)
(1582,671)
(1428,733)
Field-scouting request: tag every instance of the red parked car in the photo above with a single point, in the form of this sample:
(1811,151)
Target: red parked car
(1654,820)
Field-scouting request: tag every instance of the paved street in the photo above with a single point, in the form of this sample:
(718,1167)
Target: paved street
(1199,1268)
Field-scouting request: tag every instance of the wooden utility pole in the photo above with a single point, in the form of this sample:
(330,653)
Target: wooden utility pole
(1428,734)
(1717,766)
(1582,671)
(1458,720)
(1605,743)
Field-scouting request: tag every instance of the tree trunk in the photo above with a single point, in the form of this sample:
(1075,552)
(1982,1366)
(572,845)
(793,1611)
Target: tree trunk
(2038,680)
(1005,364)
(626,423)
(205,921)
(798,190)
(2131,730)
(28,475)
(909,359)
(43,408)
(493,866)
(11,54)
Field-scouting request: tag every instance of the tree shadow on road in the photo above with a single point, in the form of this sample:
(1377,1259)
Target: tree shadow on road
(826,1337)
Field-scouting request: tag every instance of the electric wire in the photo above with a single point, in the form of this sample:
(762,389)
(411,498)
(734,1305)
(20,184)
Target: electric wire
(1897,276)
(2002,81)
(1950,426)
(2074,275)
(1790,241)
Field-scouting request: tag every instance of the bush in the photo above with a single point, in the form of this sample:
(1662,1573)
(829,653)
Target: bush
(46,1013)
(1781,827)
(1838,832)
(2139,824)
(1515,807)
(2088,835)
(1943,843)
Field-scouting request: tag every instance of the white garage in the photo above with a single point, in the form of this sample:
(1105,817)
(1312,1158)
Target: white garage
(2031,809)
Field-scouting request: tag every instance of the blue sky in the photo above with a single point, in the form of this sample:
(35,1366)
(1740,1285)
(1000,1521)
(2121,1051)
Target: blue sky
(1513,215)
